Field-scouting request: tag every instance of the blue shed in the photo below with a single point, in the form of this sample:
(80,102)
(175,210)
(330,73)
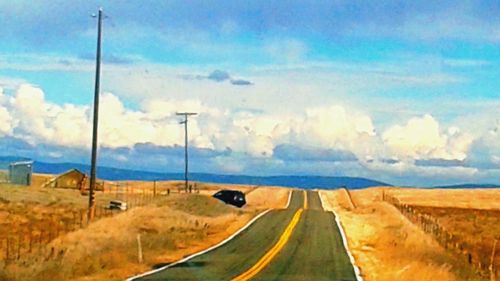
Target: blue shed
(20,172)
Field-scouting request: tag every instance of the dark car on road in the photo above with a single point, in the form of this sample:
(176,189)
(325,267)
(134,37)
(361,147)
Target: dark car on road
(233,197)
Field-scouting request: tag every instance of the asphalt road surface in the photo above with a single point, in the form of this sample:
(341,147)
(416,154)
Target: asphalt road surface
(301,242)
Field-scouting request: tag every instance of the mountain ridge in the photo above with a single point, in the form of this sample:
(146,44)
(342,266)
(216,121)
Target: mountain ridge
(300,181)
(111,173)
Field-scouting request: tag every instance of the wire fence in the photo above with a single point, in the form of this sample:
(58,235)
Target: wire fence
(33,238)
(152,188)
(4,176)
(483,264)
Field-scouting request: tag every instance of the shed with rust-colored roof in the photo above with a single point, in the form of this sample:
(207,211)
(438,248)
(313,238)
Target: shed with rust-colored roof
(71,179)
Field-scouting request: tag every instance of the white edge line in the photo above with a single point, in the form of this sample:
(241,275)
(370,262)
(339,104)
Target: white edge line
(357,272)
(202,252)
(289,199)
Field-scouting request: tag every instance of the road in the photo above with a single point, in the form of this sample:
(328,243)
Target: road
(301,242)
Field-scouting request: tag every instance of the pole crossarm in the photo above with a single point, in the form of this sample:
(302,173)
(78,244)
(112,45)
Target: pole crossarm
(186,113)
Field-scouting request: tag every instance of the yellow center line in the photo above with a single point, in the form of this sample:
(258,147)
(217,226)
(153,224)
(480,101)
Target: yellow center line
(305,199)
(266,259)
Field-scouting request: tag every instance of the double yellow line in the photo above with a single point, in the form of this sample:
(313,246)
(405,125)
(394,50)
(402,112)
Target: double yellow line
(266,259)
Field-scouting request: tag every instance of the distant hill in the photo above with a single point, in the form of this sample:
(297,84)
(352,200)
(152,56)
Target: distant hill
(6,160)
(291,181)
(109,173)
(469,185)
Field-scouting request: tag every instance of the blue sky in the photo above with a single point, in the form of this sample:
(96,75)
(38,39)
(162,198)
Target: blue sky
(401,91)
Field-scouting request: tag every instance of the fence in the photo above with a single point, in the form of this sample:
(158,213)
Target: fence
(4,176)
(483,265)
(151,188)
(32,238)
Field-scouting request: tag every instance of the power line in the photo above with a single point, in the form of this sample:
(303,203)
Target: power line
(185,122)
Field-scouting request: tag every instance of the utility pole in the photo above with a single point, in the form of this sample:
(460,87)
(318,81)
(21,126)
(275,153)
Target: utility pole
(91,210)
(185,122)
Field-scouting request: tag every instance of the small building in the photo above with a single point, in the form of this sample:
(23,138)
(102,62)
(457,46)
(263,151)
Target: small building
(72,179)
(21,172)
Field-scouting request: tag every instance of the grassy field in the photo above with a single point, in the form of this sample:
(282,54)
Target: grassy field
(4,175)
(169,226)
(470,220)
(487,198)
(387,246)
(474,230)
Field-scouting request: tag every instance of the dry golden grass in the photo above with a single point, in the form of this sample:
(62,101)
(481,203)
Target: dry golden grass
(37,180)
(162,187)
(471,216)
(105,245)
(170,228)
(4,175)
(474,229)
(480,198)
(107,249)
(113,190)
(386,246)
(268,197)
(216,186)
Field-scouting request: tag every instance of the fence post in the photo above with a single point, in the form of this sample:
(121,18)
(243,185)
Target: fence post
(139,248)
(75,220)
(49,233)
(154,188)
(40,240)
(19,242)
(7,242)
(31,240)
(492,262)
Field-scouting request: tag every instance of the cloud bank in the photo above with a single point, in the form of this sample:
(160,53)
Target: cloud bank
(240,141)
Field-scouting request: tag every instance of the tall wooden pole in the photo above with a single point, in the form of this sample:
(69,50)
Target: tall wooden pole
(186,166)
(91,210)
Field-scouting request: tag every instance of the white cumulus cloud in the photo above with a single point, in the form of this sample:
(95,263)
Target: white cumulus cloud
(422,138)
(240,134)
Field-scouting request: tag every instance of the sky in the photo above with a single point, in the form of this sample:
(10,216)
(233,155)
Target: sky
(406,92)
